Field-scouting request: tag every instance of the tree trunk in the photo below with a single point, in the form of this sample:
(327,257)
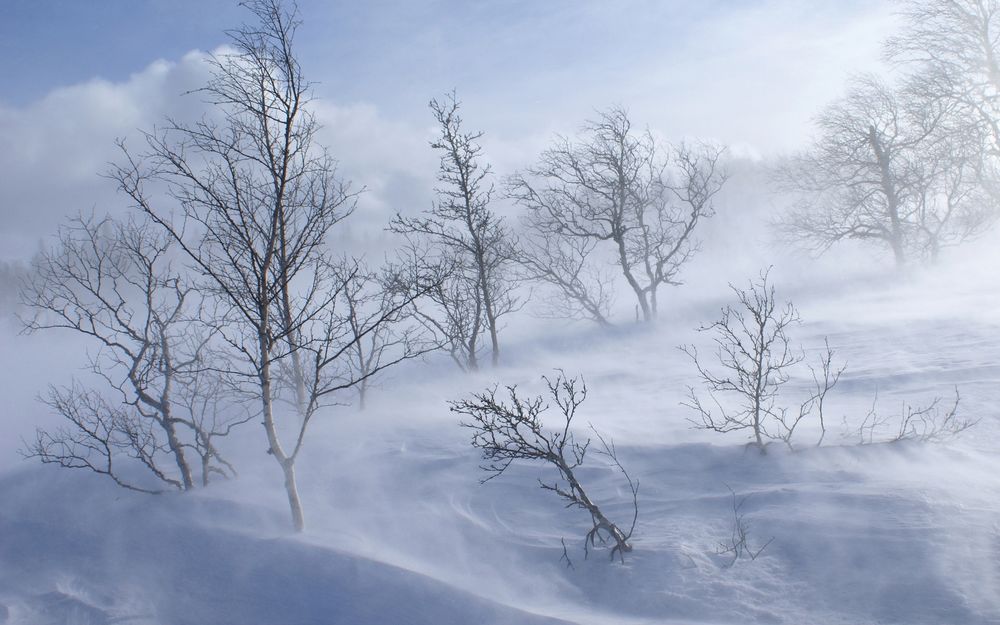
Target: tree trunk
(292,490)
(286,463)
(759,383)
(491,317)
(888,184)
(471,359)
(165,412)
(647,313)
(178,451)
(600,521)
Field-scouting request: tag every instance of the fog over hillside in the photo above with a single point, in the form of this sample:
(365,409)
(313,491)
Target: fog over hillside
(569,312)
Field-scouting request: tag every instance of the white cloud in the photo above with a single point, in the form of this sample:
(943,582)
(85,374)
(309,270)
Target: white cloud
(392,160)
(751,76)
(58,147)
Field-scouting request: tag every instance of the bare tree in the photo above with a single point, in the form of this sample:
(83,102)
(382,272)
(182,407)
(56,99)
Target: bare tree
(447,306)
(369,297)
(215,408)
(582,290)
(756,358)
(738,544)
(113,282)
(954,49)
(466,236)
(933,423)
(955,187)
(506,432)
(890,167)
(250,201)
(619,186)
(105,437)
(824,379)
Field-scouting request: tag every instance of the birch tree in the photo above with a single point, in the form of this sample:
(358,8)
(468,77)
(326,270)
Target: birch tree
(147,425)
(251,199)
(468,241)
(381,327)
(617,186)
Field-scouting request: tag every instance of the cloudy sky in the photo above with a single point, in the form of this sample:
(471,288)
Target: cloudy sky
(747,73)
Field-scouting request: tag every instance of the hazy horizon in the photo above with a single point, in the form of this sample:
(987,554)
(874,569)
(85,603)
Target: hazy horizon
(750,75)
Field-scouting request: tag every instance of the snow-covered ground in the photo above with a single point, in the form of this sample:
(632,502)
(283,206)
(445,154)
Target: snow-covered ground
(400,531)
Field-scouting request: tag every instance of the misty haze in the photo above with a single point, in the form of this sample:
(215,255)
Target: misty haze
(441,312)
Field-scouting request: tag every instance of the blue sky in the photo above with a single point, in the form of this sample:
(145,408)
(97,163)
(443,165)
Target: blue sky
(750,74)
(47,43)
(50,43)
(396,52)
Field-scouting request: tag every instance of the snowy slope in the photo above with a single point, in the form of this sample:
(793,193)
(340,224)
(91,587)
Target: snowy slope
(163,563)
(401,531)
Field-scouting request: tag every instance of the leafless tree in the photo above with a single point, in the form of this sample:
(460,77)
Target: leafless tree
(215,407)
(583,289)
(369,297)
(105,437)
(447,307)
(738,544)
(250,199)
(933,423)
(756,359)
(824,379)
(623,187)
(956,191)
(466,237)
(954,51)
(511,430)
(113,282)
(890,167)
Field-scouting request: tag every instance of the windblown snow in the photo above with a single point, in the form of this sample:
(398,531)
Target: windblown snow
(400,530)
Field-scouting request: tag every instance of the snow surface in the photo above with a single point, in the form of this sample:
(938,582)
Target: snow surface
(400,531)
